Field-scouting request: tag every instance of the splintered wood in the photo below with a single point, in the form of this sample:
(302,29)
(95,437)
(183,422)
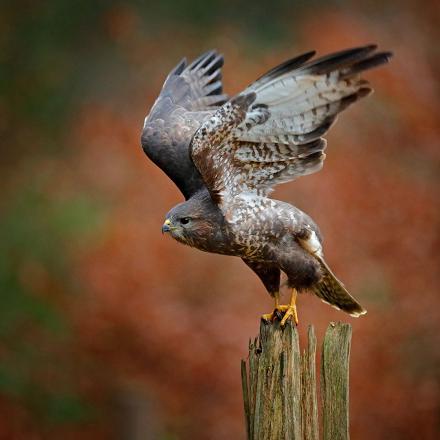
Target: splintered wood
(279,384)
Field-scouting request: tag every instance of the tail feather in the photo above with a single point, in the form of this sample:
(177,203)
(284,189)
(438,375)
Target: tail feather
(333,292)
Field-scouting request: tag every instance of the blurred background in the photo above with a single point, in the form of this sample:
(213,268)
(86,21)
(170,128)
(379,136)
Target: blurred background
(109,330)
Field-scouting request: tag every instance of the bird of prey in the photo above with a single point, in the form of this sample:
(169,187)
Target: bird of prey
(227,154)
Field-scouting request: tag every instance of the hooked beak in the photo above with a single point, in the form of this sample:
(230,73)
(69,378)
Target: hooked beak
(166,226)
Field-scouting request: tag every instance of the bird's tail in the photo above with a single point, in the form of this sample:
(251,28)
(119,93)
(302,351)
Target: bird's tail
(333,292)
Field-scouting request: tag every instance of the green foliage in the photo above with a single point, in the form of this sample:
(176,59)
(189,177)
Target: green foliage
(37,229)
(255,20)
(49,51)
(64,66)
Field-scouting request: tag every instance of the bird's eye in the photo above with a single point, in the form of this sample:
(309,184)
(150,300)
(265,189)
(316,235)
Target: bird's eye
(184,220)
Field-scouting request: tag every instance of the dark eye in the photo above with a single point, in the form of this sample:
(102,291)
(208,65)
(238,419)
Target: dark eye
(184,220)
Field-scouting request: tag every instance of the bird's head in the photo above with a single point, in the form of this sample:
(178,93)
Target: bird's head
(194,222)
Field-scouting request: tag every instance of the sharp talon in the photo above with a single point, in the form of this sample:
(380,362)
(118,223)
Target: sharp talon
(289,310)
(290,313)
(276,314)
(268,317)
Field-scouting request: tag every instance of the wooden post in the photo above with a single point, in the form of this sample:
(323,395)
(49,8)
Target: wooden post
(279,384)
(309,405)
(334,381)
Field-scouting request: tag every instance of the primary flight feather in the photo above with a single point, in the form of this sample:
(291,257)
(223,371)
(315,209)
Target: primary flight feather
(226,155)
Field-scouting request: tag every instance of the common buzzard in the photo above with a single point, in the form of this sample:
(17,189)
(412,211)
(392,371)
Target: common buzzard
(226,155)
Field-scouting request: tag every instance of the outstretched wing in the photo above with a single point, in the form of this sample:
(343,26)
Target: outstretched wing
(189,95)
(272,132)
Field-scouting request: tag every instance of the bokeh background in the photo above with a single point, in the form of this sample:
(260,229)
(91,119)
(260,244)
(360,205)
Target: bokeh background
(108,330)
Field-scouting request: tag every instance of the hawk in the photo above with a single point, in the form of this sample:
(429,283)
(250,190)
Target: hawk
(227,154)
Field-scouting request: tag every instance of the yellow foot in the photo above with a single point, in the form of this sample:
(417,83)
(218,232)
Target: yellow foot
(289,310)
(275,314)
(290,313)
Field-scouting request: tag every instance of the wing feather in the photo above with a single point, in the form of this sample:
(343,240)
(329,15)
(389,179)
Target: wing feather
(190,94)
(272,132)
(307,99)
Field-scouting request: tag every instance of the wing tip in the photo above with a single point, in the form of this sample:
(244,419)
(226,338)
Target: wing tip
(180,67)
(211,58)
(284,67)
(350,59)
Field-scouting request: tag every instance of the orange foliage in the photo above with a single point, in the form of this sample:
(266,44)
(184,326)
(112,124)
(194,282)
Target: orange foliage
(176,322)
(179,320)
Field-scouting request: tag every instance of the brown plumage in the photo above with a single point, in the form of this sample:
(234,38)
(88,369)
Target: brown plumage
(269,134)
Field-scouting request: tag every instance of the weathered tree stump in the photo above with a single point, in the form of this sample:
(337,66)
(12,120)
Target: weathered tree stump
(279,384)
(334,382)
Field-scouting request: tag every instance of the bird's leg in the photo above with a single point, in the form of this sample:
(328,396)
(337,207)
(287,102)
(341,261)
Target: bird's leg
(291,309)
(272,316)
(277,300)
